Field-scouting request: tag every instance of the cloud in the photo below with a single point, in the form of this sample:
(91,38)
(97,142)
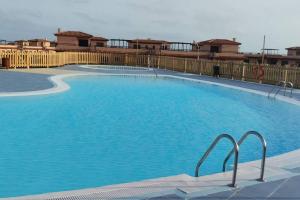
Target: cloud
(161,19)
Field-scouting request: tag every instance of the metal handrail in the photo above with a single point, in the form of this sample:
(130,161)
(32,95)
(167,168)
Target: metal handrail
(264,150)
(236,157)
(155,72)
(282,84)
(276,86)
(291,85)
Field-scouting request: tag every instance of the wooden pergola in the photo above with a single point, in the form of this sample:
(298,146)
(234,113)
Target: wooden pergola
(118,43)
(181,46)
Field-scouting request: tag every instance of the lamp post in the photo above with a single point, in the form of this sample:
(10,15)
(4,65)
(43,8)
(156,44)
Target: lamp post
(198,52)
(263,51)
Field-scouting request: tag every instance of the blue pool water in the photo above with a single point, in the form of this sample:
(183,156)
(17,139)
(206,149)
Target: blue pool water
(109,130)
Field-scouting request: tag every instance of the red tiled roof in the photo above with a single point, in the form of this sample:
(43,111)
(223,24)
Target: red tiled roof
(38,40)
(293,48)
(73,33)
(218,42)
(99,38)
(148,41)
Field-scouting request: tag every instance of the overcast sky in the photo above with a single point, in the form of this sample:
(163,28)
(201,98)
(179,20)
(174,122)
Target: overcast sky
(173,20)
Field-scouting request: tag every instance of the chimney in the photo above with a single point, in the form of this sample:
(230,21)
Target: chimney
(59,30)
(234,39)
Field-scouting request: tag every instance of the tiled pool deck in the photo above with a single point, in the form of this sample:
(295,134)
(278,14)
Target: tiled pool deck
(282,172)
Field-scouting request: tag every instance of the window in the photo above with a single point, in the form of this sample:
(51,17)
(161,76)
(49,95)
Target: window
(273,61)
(284,62)
(136,46)
(153,47)
(214,49)
(83,43)
(99,44)
(298,53)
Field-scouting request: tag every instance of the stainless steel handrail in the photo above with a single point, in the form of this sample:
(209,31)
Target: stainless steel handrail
(291,85)
(264,150)
(155,72)
(282,85)
(236,157)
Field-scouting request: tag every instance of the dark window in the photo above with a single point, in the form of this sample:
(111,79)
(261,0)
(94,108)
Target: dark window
(146,46)
(297,53)
(83,43)
(214,49)
(136,46)
(284,62)
(153,47)
(273,61)
(99,44)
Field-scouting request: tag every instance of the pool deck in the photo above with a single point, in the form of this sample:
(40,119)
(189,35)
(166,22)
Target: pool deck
(282,172)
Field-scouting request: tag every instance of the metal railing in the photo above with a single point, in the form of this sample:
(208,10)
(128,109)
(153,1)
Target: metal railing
(211,147)
(279,87)
(156,75)
(291,86)
(264,150)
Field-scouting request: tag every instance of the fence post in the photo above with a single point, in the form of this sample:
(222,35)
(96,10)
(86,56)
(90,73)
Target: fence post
(231,70)
(14,58)
(185,63)
(47,60)
(126,59)
(200,67)
(158,62)
(148,61)
(243,73)
(173,63)
(165,63)
(27,59)
(285,75)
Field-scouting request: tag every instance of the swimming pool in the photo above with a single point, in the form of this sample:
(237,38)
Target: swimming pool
(109,130)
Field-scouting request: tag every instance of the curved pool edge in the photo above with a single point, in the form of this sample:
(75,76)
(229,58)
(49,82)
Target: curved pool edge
(60,85)
(278,167)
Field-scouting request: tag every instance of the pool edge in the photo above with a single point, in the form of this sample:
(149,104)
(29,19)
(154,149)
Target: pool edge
(59,85)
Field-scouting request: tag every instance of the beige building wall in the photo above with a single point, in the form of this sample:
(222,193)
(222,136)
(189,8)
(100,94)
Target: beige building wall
(44,44)
(205,48)
(63,41)
(98,43)
(294,52)
(229,49)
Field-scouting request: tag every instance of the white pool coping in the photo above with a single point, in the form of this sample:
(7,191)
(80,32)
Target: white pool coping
(188,186)
(61,86)
(277,168)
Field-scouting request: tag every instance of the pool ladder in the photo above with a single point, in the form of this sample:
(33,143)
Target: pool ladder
(235,150)
(280,86)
